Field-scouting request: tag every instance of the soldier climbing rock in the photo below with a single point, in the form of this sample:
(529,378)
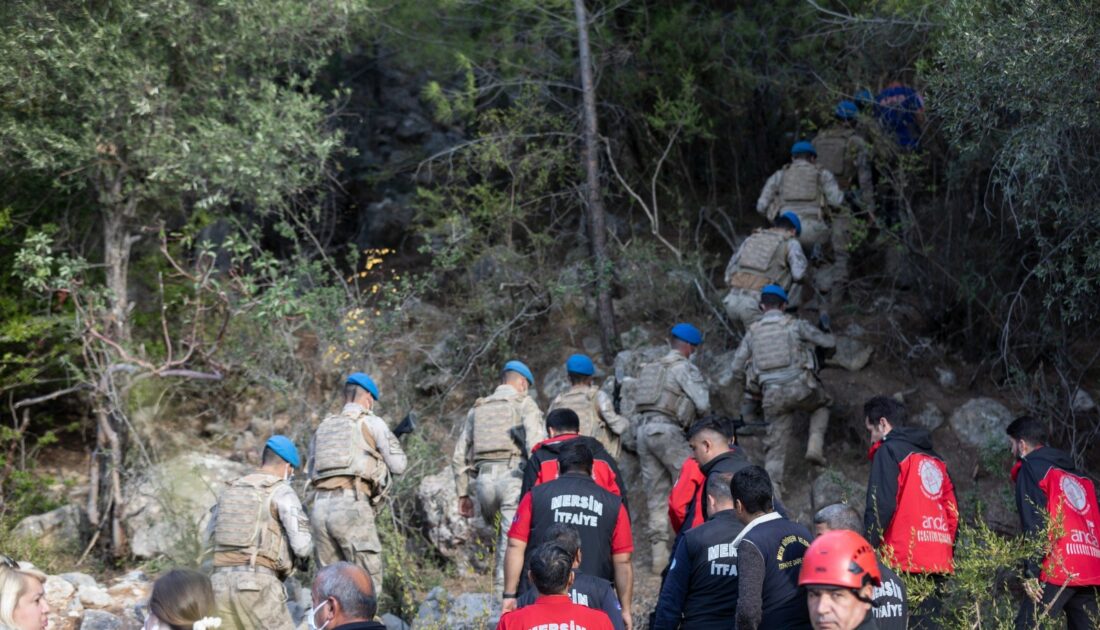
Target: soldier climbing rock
(594,407)
(804,188)
(769,256)
(259,534)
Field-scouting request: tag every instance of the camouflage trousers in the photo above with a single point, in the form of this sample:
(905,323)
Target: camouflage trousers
(831,282)
(496,489)
(782,400)
(248,600)
(814,229)
(743,306)
(344,531)
(662,449)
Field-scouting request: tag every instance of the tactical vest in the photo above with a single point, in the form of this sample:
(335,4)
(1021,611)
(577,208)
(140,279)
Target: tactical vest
(921,536)
(493,419)
(583,403)
(576,500)
(833,155)
(711,601)
(1074,558)
(246,522)
(341,450)
(777,352)
(782,543)
(656,391)
(763,261)
(798,186)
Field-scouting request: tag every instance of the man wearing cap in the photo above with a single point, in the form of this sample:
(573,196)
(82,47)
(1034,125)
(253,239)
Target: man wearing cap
(593,406)
(843,151)
(496,437)
(352,459)
(259,534)
(776,357)
(768,256)
(804,188)
(669,394)
(839,572)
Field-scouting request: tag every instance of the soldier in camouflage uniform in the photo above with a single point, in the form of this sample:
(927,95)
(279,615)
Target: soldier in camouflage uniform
(843,151)
(259,533)
(593,406)
(496,437)
(776,358)
(804,188)
(669,394)
(770,256)
(352,459)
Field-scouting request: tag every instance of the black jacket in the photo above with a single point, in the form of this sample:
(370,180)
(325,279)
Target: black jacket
(550,450)
(1031,501)
(361,625)
(700,590)
(882,487)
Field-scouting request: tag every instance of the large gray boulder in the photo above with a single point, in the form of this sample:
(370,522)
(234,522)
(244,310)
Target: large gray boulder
(102,620)
(170,504)
(980,421)
(851,354)
(468,611)
(832,486)
(452,535)
(63,528)
(930,417)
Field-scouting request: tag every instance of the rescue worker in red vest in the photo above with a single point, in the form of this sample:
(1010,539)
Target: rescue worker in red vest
(669,394)
(586,590)
(804,188)
(592,405)
(352,460)
(776,357)
(769,554)
(839,573)
(562,425)
(889,603)
(911,514)
(551,573)
(700,589)
(768,256)
(599,516)
(843,151)
(259,534)
(496,437)
(1049,489)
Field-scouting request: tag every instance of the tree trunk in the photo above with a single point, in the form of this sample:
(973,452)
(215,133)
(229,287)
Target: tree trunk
(117,242)
(593,195)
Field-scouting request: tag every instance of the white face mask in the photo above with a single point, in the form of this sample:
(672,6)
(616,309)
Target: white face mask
(310,617)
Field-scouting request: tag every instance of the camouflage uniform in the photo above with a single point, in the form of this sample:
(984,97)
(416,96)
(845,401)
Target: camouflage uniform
(766,257)
(670,394)
(805,189)
(776,356)
(351,459)
(486,455)
(256,530)
(597,413)
(842,151)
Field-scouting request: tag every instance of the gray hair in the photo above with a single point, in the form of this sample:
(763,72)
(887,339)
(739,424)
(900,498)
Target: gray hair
(336,582)
(839,516)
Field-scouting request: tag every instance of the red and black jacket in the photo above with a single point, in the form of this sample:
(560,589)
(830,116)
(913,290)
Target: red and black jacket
(542,466)
(1048,483)
(912,512)
(687,505)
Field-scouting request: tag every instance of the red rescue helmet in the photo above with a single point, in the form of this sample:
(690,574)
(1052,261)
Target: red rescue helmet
(840,558)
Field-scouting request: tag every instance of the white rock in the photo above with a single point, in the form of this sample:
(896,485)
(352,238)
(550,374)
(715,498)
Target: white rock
(981,421)
(94,596)
(946,378)
(1083,402)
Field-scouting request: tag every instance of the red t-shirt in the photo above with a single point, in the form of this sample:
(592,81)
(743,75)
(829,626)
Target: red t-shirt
(555,612)
(688,486)
(622,541)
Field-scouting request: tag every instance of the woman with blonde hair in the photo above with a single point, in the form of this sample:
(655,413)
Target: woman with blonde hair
(22,597)
(181,600)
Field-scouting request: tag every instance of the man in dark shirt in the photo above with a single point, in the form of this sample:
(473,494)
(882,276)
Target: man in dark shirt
(586,590)
(700,590)
(889,605)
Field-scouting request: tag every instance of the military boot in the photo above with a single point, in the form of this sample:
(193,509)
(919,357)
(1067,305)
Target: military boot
(815,446)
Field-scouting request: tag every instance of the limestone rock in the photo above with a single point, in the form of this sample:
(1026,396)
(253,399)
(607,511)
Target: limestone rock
(169,505)
(832,486)
(468,611)
(79,580)
(94,596)
(851,354)
(1083,402)
(445,528)
(930,417)
(64,527)
(554,382)
(980,421)
(393,622)
(100,620)
(946,378)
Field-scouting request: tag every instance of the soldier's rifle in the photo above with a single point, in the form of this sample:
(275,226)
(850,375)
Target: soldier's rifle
(407,425)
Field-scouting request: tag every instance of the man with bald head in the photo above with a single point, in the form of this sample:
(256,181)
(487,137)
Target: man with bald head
(343,599)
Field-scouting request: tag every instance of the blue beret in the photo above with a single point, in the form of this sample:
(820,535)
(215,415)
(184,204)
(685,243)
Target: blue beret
(803,146)
(688,333)
(793,218)
(283,447)
(364,381)
(774,289)
(846,110)
(519,368)
(580,364)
